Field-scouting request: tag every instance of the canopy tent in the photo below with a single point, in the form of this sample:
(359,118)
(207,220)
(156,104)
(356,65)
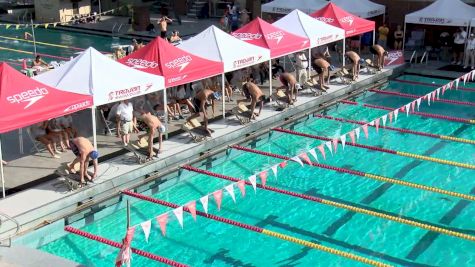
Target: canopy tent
(319,33)
(335,16)
(104,79)
(301,24)
(287,6)
(215,44)
(443,12)
(279,42)
(361,8)
(176,65)
(24,101)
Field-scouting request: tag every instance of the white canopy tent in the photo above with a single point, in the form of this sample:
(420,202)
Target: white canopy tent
(442,13)
(318,32)
(361,8)
(106,80)
(217,45)
(287,6)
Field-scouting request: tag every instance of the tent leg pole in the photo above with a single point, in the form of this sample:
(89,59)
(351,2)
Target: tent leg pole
(165,113)
(344,52)
(223,96)
(270,78)
(94,132)
(309,63)
(404,37)
(1,169)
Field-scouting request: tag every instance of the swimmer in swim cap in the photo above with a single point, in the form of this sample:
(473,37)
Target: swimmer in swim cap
(153,124)
(84,151)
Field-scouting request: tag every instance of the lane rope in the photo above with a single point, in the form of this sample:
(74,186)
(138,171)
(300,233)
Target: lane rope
(31,53)
(119,245)
(449,101)
(49,44)
(422,114)
(402,130)
(461,88)
(384,150)
(329,202)
(260,230)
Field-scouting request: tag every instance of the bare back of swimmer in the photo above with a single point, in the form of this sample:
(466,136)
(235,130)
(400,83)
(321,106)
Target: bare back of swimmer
(200,106)
(254,93)
(380,52)
(289,82)
(355,60)
(321,66)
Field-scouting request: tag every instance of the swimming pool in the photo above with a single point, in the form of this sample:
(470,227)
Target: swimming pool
(13,51)
(210,243)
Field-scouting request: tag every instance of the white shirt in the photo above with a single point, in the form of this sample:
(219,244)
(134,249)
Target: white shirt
(125,111)
(471,44)
(460,37)
(301,61)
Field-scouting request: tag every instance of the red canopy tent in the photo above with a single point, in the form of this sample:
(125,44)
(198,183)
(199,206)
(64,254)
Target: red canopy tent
(279,42)
(24,101)
(176,65)
(352,24)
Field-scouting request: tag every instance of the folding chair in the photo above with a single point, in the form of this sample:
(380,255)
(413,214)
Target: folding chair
(36,144)
(109,125)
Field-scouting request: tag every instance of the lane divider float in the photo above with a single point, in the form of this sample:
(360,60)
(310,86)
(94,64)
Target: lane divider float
(384,150)
(41,43)
(461,88)
(31,53)
(260,230)
(422,114)
(402,130)
(449,101)
(330,202)
(119,245)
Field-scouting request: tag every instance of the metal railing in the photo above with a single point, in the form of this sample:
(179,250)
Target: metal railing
(9,237)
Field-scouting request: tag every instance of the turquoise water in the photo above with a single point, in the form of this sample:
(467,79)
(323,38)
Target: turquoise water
(65,38)
(209,243)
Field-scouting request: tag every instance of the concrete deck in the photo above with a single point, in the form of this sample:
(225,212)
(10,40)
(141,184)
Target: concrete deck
(52,201)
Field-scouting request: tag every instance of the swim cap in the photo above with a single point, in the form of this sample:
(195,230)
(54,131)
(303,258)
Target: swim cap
(217,95)
(94,154)
(362,61)
(162,129)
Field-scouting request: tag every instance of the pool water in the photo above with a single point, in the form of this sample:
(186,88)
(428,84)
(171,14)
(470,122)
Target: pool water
(210,243)
(50,36)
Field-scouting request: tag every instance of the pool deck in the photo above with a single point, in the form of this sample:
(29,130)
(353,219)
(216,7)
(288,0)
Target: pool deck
(52,201)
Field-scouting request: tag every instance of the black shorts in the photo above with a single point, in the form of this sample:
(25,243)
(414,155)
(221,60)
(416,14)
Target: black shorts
(245,90)
(458,48)
(197,105)
(163,34)
(74,148)
(373,51)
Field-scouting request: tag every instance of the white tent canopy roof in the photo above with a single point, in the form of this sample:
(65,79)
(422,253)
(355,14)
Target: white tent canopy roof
(105,79)
(443,12)
(287,6)
(217,45)
(361,8)
(301,24)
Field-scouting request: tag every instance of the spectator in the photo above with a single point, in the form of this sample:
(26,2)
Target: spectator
(276,67)
(83,150)
(38,132)
(234,19)
(460,37)
(38,62)
(398,38)
(383,35)
(301,65)
(244,17)
(163,23)
(125,121)
(66,123)
(151,28)
(225,21)
(175,38)
(470,52)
